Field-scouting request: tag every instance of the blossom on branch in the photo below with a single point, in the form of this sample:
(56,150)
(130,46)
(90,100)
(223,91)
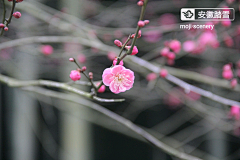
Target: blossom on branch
(118,78)
(75,75)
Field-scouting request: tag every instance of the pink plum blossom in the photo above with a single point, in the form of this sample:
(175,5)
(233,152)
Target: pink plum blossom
(118,78)
(75,75)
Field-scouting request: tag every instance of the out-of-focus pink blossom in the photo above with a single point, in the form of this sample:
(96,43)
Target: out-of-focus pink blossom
(226,23)
(228,41)
(72,48)
(81,58)
(46,49)
(151,76)
(118,78)
(227,67)
(118,34)
(189,46)
(235,112)
(164,52)
(228,74)
(111,55)
(234,83)
(175,45)
(163,73)
(170,62)
(209,71)
(167,21)
(152,36)
(171,55)
(75,75)
(208,38)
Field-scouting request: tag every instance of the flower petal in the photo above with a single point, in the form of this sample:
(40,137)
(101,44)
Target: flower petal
(128,74)
(117,69)
(107,79)
(106,72)
(122,88)
(114,87)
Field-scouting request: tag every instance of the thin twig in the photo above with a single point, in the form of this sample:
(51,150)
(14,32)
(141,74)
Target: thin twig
(8,21)
(17,83)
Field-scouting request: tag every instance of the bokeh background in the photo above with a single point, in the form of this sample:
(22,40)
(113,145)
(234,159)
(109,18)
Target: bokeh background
(35,126)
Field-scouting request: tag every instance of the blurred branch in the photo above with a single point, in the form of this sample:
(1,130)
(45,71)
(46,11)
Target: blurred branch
(18,83)
(117,118)
(174,71)
(184,85)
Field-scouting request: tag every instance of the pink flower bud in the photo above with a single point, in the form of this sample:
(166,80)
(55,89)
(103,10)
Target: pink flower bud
(84,68)
(164,52)
(75,75)
(226,67)
(81,58)
(17,15)
(151,76)
(5,28)
(90,75)
(118,43)
(175,45)
(141,24)
(146,22)
(71,59)
(46,49)
(115,62)
(139,34)
(163,73)
(171,55)
(234,83)
(134,51)
(2,25)
(140,3)
(228,74)
(102,88)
